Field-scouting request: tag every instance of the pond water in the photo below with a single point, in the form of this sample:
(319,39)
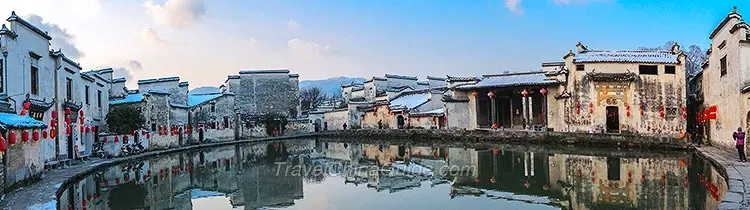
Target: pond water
(341,174)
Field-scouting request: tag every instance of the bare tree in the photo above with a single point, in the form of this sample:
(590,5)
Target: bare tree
(695,56)
(311,98)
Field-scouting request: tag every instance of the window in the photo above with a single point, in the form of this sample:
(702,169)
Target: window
(613,169)
(669,69)
(670,113)
(213,108)
(69,88)
(34,80)
(86,94)
(723,65)
(226,121)
(2,89)
(723,43)
(647,69)
(99,98)
(153,127)
(580,68)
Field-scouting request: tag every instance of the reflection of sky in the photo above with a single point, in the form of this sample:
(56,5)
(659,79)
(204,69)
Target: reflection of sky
(219,202)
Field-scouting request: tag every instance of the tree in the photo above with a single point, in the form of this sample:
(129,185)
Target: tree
(311,98)
(695,56)
(124,119)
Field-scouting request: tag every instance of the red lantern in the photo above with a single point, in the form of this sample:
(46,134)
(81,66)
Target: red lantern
(627,110)
(143,132)
(591,107)
(23,112)
(68,130)
(52,133)
(81,120)
(26,105)
(104,139)
(125,138)
(3,145)
(88,129)
(134,132)
(35,135)
(67,120)
(53,122)
(12,138)
(491,94)
(117,139)
(54,114)
(25,136)
(148,135)
(44,134)
(93,129)
(67,111)
(525,93)
(543,91)
(82,129)
(475,94)
(80,113)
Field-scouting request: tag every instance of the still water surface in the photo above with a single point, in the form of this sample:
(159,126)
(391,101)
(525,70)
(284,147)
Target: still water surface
(340,174)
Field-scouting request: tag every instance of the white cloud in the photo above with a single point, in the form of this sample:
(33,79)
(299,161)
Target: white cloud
(135,65)
(61,38)
(309,49)
(293,26)
(177,13)
(150,35)
(514,6)
(251,41)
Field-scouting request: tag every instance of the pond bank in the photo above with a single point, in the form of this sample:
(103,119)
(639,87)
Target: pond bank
(737,175)
(518,137)
(43,193)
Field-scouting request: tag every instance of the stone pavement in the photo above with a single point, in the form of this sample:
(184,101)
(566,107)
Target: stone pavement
(42,194)
(738,176)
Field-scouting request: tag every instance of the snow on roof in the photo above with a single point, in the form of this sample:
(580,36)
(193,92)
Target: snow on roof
(434,112)
(626,56)
(512,80)
(197,99)
(11,120)
(130,98)
(410,101)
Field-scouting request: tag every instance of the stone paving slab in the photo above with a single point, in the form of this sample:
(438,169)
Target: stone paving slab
(738,176)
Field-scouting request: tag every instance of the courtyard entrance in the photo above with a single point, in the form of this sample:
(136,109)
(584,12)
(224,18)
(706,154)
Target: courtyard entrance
(613,119)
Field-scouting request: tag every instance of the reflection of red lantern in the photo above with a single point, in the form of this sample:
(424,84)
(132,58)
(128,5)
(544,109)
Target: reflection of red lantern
(12,138)
(117,139)
(88,129)
(148,135)
(591,107)
(543,91)
(578,108)
(67,120)
(3,145)
(54,114)
(81,120)
(82,129)
(104,139)
(23,112)
(44,134)
(627,111)
(525,93)
(35,135)
(125,138)
(25,136)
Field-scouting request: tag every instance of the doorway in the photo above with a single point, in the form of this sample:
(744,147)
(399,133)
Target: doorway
(613,119)
(400,121)
(70,143)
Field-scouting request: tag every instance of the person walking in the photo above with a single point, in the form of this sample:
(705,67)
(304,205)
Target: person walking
(739,137)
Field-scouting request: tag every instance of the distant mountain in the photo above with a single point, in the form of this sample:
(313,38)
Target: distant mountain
(329,86)
(205,90)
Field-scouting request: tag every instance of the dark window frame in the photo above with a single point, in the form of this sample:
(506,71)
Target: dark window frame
(34,80)
(69,88)
(648,70)
(87,89)
(670,70)
(580,67)
(723,65)
(99,97)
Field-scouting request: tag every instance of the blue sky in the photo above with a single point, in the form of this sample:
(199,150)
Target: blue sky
(203,41)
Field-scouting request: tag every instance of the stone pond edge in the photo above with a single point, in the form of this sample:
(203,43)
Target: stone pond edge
(526,137)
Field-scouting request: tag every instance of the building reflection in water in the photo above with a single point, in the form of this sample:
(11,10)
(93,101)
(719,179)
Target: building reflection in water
(245,176)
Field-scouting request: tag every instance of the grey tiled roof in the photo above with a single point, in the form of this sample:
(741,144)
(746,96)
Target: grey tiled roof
(400,77)
(166,79)
(265,71)
(512,80)
(626,56)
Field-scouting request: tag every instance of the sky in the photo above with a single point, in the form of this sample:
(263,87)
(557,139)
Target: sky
(203,41)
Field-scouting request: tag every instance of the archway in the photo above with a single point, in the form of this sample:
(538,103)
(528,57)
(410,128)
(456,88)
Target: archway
(400,121)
